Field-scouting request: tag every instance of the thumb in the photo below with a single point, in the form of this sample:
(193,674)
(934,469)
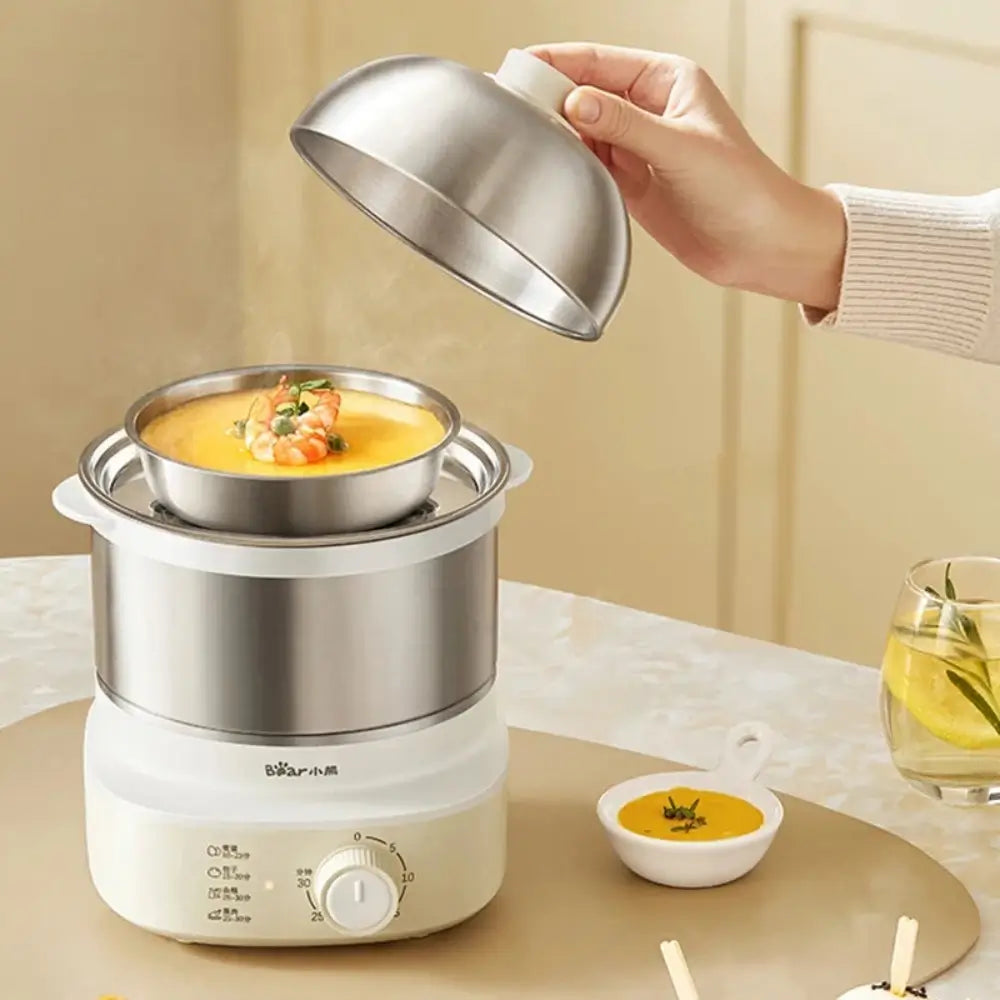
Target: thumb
(606,117)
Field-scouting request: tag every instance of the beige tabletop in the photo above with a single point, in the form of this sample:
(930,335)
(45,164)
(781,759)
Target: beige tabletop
(580,668)
(814,919)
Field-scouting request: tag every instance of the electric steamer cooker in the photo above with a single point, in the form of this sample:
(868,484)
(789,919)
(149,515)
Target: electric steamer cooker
(295,738)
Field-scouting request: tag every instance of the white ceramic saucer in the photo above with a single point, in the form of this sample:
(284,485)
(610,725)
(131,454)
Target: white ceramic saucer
(700,864)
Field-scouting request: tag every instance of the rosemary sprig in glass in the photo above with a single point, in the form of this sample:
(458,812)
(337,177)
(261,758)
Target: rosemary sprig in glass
(970,673)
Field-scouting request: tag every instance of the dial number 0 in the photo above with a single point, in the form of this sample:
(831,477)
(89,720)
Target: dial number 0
(406,877)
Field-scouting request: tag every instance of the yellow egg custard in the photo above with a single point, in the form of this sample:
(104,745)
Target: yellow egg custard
(686,814)
(296,429)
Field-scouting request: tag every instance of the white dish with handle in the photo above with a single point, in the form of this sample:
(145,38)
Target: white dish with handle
(700,864)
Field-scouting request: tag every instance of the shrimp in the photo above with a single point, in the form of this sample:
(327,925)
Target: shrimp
(301,447)
(258,436)
(285,435)
(324,413)
(261,441)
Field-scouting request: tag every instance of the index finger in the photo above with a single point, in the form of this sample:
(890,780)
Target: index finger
(644,76)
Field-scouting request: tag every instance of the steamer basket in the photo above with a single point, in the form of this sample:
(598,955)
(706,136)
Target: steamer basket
(292,506)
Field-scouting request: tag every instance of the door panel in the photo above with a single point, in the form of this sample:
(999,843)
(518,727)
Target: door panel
(118,248)
(885,454)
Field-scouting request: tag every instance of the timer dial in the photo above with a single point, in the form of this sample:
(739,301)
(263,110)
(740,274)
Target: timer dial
(357,890)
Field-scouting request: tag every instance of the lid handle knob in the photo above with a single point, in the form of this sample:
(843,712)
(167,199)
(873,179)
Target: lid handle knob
(535,80)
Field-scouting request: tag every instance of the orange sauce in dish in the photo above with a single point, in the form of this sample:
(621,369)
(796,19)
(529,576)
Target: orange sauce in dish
(690,815)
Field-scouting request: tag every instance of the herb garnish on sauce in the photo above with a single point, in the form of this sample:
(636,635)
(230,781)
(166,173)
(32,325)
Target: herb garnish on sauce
(690,820)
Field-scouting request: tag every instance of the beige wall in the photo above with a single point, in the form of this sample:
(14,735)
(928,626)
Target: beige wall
(627,434)
(118,235)
(708,459)
(860,457)
(189,235)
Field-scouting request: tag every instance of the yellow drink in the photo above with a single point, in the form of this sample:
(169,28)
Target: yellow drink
(940,685)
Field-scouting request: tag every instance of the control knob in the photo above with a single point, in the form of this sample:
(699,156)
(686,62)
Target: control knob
(357,890)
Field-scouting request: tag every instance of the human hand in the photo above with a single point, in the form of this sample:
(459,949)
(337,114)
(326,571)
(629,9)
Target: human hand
(694,179)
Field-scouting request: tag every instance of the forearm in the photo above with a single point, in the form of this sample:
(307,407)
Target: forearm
(919,269)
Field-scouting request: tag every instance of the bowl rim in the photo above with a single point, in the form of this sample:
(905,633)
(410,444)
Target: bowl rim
(133,414)
(470,436)
(765,831)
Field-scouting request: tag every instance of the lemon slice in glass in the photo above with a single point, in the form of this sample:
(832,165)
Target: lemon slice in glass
(915,671)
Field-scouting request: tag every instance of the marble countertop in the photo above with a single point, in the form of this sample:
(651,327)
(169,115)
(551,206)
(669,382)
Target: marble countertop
(577,667)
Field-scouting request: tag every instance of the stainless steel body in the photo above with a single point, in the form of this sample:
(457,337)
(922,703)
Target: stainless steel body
(286,660)
(262,639)
(291,506)
(483,176)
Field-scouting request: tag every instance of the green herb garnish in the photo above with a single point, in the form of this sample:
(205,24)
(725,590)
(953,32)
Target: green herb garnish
(240,426)
(690,820)
(967,625)
(282,425)
(298,405)
(988,712)
(956,621)
(286,413)
(910,991)
(971,675)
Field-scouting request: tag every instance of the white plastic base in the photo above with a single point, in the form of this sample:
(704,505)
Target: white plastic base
(220,843)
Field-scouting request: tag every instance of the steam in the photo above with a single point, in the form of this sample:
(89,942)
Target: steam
(279,349)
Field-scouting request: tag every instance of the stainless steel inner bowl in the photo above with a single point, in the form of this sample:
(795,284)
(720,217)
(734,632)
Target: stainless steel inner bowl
(329,644)
(291,506)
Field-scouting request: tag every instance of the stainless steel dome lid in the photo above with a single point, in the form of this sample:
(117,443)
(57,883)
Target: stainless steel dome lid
(481,174)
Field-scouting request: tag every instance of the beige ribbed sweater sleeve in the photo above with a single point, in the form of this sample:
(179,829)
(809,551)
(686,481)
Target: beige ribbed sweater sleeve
(920,269)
